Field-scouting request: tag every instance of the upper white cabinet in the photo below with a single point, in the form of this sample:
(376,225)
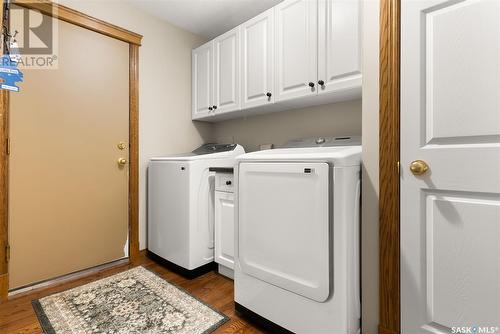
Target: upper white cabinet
(298,53)
(202,77)
(296,48)
(226,72)
(257,60)
(339,63)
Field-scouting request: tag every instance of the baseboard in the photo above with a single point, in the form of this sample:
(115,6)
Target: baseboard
(187,273)
(67,278)
(382,330)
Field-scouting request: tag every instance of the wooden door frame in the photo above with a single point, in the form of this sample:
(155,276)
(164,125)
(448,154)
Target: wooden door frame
(389,153)
(134,40)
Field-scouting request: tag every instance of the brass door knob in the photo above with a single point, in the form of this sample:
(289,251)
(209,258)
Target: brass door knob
(419,167)
(122,161)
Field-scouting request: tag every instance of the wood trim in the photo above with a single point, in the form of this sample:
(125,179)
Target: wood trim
(4,184)
(389,219)
(4,190)
(4,286)
(134,40)
(134,153)
(80,19)
(382,330)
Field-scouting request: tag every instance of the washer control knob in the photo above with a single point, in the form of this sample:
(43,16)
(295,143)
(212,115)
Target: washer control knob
(320,140)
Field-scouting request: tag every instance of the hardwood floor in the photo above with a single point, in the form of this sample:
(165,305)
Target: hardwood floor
(17,315)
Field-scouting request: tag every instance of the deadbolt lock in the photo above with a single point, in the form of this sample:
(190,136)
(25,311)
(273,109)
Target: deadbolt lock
(121,145)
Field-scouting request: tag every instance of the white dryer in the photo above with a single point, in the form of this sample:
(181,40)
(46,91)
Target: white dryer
(297,235)
(181,206)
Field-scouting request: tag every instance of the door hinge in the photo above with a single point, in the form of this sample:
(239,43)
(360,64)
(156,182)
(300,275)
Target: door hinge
(8,146)
(7,253)
(398,167)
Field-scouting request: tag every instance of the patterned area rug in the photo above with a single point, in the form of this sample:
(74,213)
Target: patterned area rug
(136,301)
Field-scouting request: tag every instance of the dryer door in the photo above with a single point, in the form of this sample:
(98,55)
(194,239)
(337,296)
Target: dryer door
(284,231)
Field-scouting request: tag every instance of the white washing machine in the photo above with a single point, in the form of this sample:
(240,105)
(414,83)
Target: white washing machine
(297,235)
(181,204)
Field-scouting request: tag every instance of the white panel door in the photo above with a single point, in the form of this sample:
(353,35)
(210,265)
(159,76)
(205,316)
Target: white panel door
(202,80)
(257,60)
(226,72)
(284,226)
(339,66)
(296,48)
(450,118)
(224,228)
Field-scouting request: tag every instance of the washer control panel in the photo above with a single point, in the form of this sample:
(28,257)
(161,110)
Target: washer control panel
(214,148)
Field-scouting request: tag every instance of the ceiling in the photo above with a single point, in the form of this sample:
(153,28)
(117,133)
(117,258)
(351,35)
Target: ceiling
(208,18)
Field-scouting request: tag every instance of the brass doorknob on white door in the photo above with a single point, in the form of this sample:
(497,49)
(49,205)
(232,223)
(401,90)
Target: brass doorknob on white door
(122,161)
(419,167)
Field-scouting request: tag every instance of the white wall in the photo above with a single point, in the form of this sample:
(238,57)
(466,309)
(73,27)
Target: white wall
(164,86)
(338,119)
(369,227)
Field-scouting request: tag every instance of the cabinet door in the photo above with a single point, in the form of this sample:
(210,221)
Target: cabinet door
(226,67)
(257,60)
(296,50)
(224,228)
(202,80)
(339,65)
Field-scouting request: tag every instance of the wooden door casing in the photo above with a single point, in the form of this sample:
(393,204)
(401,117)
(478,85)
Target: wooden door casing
(389,229)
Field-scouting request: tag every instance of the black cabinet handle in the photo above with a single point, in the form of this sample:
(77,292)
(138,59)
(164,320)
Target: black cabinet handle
(321,83)
(228,183)
(311,84)
(210,108)
(215,107)
(269,94)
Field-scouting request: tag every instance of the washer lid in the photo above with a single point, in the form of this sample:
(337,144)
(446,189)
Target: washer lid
(338,155)
(213,148)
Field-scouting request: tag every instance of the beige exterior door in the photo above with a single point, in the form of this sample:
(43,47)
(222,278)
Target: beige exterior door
(68,196)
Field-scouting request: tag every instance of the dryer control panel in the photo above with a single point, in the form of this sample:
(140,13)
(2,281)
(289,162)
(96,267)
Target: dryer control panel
(323,142)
